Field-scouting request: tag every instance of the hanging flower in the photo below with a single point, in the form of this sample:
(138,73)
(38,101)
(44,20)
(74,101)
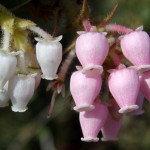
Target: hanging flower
(124,86)
(111,129)
(136,47)
(92,121)
(49,56)
(84,90)
(92,49)
(21,89)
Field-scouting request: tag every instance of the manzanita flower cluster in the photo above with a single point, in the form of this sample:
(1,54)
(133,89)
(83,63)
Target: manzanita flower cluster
(21,70)
(85,85)
(127,85)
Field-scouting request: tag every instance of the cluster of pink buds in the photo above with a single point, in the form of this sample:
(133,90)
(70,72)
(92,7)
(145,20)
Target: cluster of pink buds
(127,85)
(89,46)
(136,48)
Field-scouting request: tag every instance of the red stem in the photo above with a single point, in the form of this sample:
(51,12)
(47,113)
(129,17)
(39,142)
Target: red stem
(52,103)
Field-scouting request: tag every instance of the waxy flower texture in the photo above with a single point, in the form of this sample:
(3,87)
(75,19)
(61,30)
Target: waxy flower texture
(111,79)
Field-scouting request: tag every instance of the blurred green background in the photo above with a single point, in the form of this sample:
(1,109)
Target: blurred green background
(31,130)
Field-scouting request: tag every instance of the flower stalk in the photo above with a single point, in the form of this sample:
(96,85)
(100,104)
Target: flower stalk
(40,32)
(6,40)
(118,28)
(52,103)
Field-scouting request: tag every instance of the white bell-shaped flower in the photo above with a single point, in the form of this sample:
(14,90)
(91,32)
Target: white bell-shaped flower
(7,67)
(21,89)
(4,97)
(49,56)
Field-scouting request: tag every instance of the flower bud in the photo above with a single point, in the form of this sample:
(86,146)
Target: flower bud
(49,56)
(7,67)
(136,47)
(124,86)
(84,90)
(92,121)
(21,89)
(111,128)
(92,49)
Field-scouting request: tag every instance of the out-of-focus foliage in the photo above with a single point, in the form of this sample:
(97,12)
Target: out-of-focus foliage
(31,130)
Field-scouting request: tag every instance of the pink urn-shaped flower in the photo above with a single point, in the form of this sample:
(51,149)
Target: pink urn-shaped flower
(21,89)
(111,128)
(49,56)
(92,49)
(136,47)
(84,90)
(124,86)
(92,121)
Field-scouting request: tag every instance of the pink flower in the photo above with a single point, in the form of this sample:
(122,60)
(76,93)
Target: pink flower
(136,47)
(84,90)
(111,128)
(92,49)
(92,121)
(124,86)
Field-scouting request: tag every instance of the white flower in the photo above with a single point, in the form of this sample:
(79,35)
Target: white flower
(21,89)
(49,56)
